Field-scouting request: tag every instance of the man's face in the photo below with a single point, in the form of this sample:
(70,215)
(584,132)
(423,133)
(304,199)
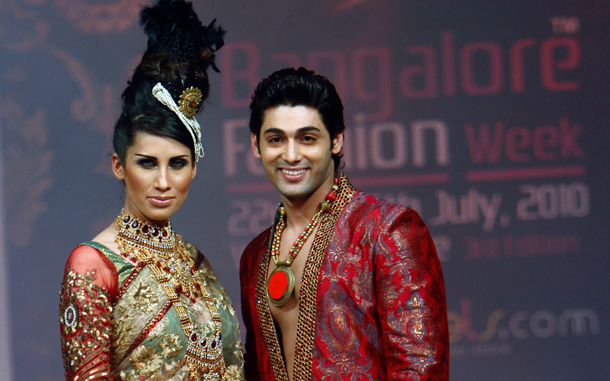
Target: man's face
(296,153)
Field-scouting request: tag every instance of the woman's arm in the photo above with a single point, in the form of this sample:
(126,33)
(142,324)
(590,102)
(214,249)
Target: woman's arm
(85,309)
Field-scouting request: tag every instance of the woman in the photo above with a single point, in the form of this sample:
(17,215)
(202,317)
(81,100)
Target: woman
(138,302)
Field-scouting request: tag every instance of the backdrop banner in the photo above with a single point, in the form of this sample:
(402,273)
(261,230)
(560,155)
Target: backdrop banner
(491,119)
(5,336)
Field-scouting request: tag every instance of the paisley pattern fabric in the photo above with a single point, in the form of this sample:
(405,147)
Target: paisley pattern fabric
(380,301)
(135,333)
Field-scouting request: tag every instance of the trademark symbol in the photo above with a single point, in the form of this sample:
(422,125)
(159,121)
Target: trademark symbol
(565,25)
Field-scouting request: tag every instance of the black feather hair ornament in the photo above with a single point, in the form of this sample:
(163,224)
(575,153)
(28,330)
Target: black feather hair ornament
(170,84)
(180,48)
(174,25)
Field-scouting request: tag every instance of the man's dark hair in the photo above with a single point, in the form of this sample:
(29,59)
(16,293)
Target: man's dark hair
(298,87)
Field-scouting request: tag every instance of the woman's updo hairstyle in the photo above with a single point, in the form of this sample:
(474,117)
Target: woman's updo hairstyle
(179,51)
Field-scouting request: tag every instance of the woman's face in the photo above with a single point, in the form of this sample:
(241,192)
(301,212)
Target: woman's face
(157,172)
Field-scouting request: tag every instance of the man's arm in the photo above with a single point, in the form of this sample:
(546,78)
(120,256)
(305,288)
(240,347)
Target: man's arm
(410,295)
(256,364)
(248,287)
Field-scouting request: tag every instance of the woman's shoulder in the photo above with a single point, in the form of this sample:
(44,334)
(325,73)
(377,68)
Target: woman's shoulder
(197,256)
(95,257)
(89,260)
(86,255)
(97,251)
(192,249)
(106,240)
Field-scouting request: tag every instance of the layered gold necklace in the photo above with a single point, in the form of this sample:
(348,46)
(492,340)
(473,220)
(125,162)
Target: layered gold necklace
(164,252)
(162,249)
(280,284)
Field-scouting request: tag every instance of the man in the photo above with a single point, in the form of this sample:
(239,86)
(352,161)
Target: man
(343,286)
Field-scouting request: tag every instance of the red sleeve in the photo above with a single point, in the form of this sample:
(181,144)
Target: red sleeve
(87,258)
(85,308)
(255,365)
(411,299)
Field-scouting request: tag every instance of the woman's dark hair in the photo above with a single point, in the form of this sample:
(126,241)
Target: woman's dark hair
(179,52)
(298,87)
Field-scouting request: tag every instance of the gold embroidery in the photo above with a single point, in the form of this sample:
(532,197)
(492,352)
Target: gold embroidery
(234,372)
(85,313)
(267,326)
(144,298)
(124,329)
(129,377)
(309,285)
(160,328)
(173,367)
(360,282)
(170,345)
(412,325)
(170,260)
(307,301)
(132,325)
(415,321)
(338,327)
(146,361)
(129,325)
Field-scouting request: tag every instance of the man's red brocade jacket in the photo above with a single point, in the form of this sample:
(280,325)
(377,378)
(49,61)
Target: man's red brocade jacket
(379,306)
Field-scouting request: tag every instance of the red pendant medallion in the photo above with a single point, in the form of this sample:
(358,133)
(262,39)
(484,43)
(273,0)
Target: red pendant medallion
(280,285)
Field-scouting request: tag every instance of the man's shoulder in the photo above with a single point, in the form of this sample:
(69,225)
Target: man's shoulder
(369,203)
(368,208)
(260,239)
(256,247)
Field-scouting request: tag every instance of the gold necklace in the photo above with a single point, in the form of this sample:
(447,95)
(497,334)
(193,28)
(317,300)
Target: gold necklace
(165,253)
(280,284)
(160,247)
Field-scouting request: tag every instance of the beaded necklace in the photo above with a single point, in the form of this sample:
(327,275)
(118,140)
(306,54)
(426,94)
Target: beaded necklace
(159,247)
(164,252)
(280,284)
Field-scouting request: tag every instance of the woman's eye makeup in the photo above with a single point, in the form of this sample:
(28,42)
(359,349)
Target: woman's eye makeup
(147,163)
(174,162)
(178,163)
